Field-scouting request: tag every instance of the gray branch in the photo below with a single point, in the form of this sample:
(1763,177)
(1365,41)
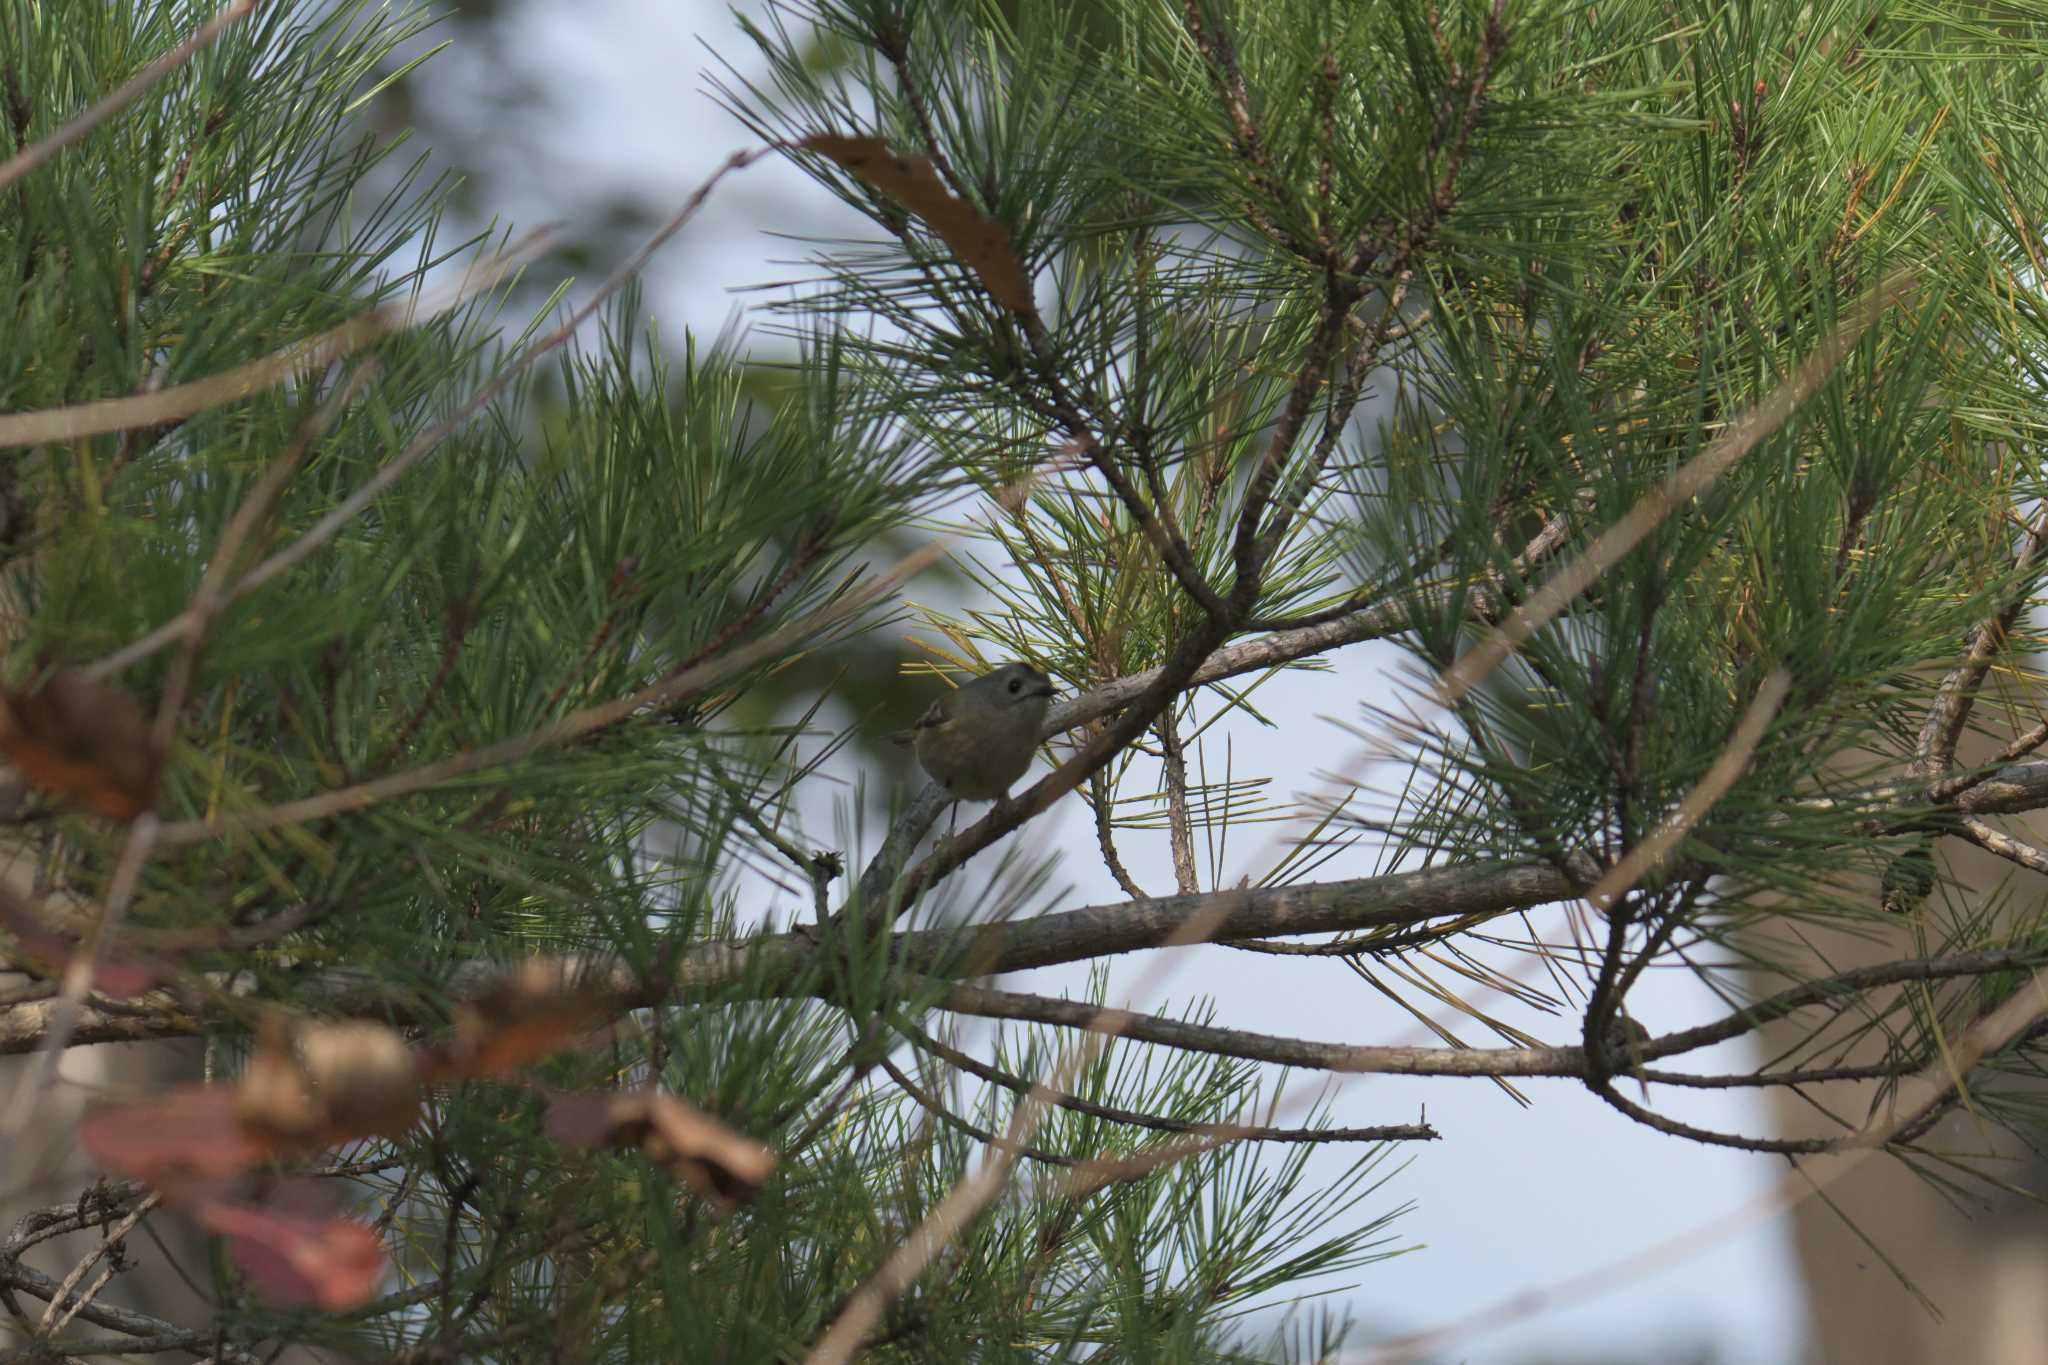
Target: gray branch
(791,963)
(157,1334)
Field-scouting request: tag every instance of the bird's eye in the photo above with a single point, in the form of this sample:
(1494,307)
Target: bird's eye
(1015,686)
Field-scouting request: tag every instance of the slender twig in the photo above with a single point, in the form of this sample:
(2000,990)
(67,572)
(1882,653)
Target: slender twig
(1234,1132)
(460,617)
(125,94)
(1181,833)
(1921,1096)
(893,42)
(930,1104)
(1100,801)
(1994,840)
(207,601)
(308,356)
(1957,695)
(1219,57)
(51,1323)
(145,1333)
(78,974)
(364,795)
(1686,483)
(201,1343)
(1186,1036)
(819,866)
(1728,766)
(425,444)
(1950,788)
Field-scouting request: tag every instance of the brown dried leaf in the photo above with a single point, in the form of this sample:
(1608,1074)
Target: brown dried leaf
(315,1084)
(977,240)
(76,738)
(538,1008)
(294,1257)
(724,1166)
(189,1133)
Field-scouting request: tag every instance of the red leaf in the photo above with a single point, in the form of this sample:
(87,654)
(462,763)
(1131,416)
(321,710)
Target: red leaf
(190,1132)
(295,1257)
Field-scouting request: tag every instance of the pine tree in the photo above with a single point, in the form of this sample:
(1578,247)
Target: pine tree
(380,651)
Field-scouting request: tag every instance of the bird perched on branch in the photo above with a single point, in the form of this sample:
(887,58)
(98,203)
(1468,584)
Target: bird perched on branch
(979,738)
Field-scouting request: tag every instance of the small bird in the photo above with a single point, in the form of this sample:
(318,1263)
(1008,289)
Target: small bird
(979,738)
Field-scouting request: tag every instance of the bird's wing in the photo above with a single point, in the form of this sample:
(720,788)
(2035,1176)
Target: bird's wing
(935,714)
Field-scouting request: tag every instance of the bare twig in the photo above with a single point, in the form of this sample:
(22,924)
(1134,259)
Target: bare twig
(931,1105)
(125,94)
(1919,1096)
(145,1333)
(1957,695)
(1994,840)
(1181,832)
(1731,763)
(1563,587)
(78,975)
(207,602)
(51,1323)
(429,440)
(1101,800)
(1339,1058)
(1948,789)
(309,356)
(1230,1132)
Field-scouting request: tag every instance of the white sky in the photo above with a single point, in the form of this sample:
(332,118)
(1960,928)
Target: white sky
(1512,1199)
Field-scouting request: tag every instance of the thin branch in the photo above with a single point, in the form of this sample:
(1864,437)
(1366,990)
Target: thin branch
(1610,893)
(114,1236)
(125,94)
(1832,989)
(1357,366)
(819,867)
(1341,1058)
(308,356)
(1356,624)
(1174,774)
(149,1333)
(672,686)
(1948,789)
(893,43)
(1994,840)
(1688,482)
(930,1104)
(1100,800)
(65,1010)
(423,445)
(1219,58)
(1231,1132)
(207,601)
(1957,695)
(202,1344)
(1920,1097)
